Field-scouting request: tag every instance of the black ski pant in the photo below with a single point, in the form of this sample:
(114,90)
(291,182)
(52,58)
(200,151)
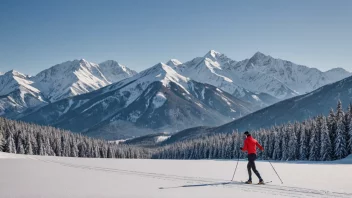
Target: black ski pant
(251,166)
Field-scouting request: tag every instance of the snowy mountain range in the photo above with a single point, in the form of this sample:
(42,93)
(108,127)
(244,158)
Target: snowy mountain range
(299,108)
(19,92)
(108,100)
(258,74)
(157,99)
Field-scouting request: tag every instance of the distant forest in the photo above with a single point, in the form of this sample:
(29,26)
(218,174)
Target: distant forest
(317,139)
(23,138)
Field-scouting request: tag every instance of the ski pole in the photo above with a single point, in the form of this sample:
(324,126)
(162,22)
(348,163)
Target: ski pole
(275,172)
(238,159)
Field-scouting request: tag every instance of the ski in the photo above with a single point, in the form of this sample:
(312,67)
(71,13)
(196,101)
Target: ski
(267,182)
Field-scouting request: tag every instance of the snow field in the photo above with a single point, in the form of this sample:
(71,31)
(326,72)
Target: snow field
(35,176)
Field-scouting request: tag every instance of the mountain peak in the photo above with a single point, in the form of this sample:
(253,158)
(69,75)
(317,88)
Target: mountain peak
(259,55)
(160,67)
(161,72)
(338,69)
(84,62)
(112,63)
(174,62)
(212,54)
(113,67)
(14,73)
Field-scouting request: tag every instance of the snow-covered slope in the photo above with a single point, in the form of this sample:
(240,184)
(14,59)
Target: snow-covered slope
(318,102)
(14,80)
(148,140)
(79,76)
(282,78)
(114,71)
(173,63)
(155,100)
(336,74)
(39,176)
(259,74)
(19,92)
(217,69)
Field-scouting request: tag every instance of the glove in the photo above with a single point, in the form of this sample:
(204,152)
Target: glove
(241,148)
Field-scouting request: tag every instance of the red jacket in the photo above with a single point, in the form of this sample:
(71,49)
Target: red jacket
(250,145)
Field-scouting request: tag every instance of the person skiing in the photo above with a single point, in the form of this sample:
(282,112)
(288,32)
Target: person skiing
(250,145)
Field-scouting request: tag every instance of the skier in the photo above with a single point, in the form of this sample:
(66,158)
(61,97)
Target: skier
(250,145)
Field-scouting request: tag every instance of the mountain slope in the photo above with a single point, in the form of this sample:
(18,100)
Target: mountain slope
(77,77)
(258,74)
(287,79)
(216,69)
(155,100)
(173,63)
(19,92)
(298,108)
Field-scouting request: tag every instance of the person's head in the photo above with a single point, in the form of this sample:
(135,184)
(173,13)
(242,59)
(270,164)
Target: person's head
(246,133)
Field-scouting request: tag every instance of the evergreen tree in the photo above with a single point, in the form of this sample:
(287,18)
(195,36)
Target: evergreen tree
(2,139)
(332,130)
(340,141)
(325,149)
(303,150)
(277,154)
(314,141)
(350,136)
(28,145)
(270,149)
(10,146)
(292,144)
(285,139)
(20,147)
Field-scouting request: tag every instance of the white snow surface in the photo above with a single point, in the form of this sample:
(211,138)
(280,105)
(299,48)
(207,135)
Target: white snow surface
(159,100)
(162,138)
(58,177)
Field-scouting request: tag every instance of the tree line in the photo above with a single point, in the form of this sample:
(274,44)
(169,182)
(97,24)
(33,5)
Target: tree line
(24,138)
(317,139)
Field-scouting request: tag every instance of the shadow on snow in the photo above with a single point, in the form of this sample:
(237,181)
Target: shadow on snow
(203,185)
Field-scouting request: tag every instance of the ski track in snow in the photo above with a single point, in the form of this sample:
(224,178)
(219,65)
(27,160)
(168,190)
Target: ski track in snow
(268,189)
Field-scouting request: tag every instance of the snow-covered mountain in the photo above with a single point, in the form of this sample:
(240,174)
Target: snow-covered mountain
(299,108)
(156,100)
(18,92)
(217,69)
(173,63)
(286,78)
(260,74)
(209,90)
(76,77)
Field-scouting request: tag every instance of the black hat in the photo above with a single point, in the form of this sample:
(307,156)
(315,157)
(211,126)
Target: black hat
(247,133)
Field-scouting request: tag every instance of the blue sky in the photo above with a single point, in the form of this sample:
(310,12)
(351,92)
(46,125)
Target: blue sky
(35,35)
